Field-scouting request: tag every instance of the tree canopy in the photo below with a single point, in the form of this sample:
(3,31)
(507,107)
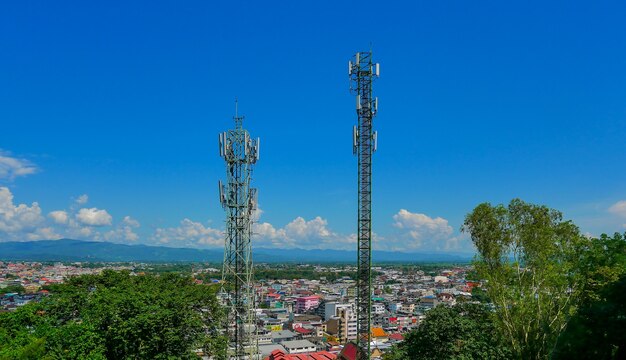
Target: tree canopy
(529,257)
(596,331)
(115,316)
(465,331)
(12,289)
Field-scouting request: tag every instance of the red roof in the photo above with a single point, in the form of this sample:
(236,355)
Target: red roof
(349,352)
(302,330)
(396,337)
(320,355)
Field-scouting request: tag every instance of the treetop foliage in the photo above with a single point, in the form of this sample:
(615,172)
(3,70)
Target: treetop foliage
(465,331)
(115,316)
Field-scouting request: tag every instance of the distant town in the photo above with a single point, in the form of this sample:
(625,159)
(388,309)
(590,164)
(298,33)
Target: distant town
(300,308)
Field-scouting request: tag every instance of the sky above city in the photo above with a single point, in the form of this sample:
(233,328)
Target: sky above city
(110,114)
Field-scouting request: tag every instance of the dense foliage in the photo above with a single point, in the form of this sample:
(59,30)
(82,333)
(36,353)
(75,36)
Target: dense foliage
(12,289)
(557,294)
(115,316)
(553,293)
(465,331)
(596,331)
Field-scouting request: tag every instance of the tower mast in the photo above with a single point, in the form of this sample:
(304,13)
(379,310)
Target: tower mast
(362,71)
(239,200)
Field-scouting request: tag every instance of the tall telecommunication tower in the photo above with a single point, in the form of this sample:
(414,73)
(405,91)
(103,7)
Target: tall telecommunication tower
(239,200)
(362,71)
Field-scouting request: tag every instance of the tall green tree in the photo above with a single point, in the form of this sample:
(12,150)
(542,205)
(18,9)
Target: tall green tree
(529,257)
(464,331)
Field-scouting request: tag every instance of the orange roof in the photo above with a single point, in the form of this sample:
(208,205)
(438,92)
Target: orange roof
(378,332)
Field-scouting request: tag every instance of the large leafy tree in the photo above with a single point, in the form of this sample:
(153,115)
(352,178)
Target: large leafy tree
(529,257)
(116,316)
(464,331)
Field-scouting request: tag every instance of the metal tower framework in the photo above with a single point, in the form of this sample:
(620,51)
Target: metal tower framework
(239,200)
(362,72)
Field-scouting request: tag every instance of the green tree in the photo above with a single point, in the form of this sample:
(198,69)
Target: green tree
(602,263)
(12,289)
(529,258)
(597,329)
(464,331)
(116,316)
(480,295)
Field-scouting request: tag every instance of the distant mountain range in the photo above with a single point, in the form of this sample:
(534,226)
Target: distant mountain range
(77,250)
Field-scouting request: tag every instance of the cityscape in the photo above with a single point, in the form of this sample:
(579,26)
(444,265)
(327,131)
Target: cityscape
(313,315)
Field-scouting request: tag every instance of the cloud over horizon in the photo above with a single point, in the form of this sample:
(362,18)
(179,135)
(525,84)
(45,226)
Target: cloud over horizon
(22,222)
(301,233)
(94,217)
(417,231)
(189,233)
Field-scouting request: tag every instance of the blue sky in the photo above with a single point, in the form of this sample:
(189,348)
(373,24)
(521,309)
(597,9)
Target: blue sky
(479,101)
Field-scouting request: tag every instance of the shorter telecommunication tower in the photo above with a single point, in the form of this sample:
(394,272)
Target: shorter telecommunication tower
(239,200)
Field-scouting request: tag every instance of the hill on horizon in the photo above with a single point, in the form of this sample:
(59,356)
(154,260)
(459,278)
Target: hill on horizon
(94,251)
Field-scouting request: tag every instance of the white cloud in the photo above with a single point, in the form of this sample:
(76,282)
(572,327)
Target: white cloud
(23,222)
(300,233)
(17,222)
(44,233)
(420,231)
(11,167)
(124,231)
(82,200)
(59,216)
(94,217)
(189,233)
(300,228)
(619,209)
(128,221)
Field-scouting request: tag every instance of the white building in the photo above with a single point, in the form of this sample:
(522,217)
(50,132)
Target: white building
(378,309)
(299,346)
(331,309)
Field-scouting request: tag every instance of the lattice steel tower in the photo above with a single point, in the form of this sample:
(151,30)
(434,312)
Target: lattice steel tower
(363,71)
(239,200)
